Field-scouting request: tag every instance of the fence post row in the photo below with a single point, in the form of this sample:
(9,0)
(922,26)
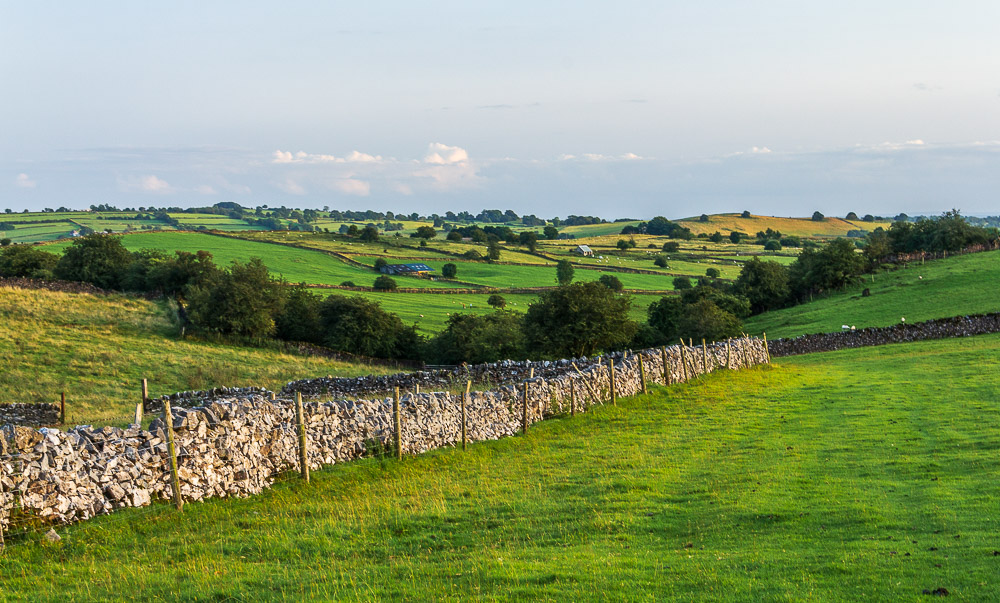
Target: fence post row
(300,420)
(397,423)
(175,481)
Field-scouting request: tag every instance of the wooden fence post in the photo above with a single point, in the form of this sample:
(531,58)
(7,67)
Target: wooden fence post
(684,364)
(62,408)
(642,374)
(175,480)
(767,350)
(273,396)
(572,398)
(524,410)
(417,390)
(145,393)
(614,394)
(397,423)
(138,414)
(704,356)
(729,355)
(465,399)
(746,352)
(666,368)
(300,419)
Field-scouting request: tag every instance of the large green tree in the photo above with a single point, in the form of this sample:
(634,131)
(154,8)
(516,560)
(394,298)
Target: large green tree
(763,284)
(564,272)
(240,300)
(577,320)
(98,259)
(477,339)
(359,326)
(27,261)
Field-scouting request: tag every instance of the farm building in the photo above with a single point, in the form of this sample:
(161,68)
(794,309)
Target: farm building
(406,269)
(584,250)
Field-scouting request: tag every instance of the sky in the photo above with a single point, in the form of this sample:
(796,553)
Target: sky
(623,109)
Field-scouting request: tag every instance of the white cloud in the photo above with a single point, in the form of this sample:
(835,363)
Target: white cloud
(760,150)
(358,157)
(443,154)
(144,184)
(601,157)
(23,181)
(303,157)
(352,186)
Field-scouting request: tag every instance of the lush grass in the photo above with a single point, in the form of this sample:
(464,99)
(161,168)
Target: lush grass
(98,348)
(794,482)
(941,288)
(295,265)
(802,227)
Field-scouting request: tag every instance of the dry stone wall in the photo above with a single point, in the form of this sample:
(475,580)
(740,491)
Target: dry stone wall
(41,413)
(957,326)
(236,442)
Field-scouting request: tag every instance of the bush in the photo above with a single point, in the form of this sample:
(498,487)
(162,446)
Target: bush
(424,232)
(385,283)
(773,245)
(369,234)
(763,284)
(26,261)
(611,282)
(299,319)
(4,242)
(736,237)
(380,263)
(454,236)
(681,283)
(716,237)
(449,270)
(472,254)
(702,312)
(360,326)
(660,262)
(712,273)
(671,247)
(792,241)
(348,284)
(477,339)
(241,300)
(97,259)
(496,301)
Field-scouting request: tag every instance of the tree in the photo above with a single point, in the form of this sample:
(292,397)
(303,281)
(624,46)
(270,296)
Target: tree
(818,217)
(240,300)
(530,239)
(703,218)
(385,283)
(772,245)
(424,232)
(449,270)
(4,242)
(496,301)
(712,273)
(27,261)
(564,272)
(360,326)
(716,237)
(299,319)
(877,246)
(611,282)
(763,284)
(622,244)
(369,234)
(851,216)
(98,259)
(736,237)
(352,230)
(380,263)
(681,283)
(493,251)
(745,214)
(869,218)
(577,320)
(551,233)
(454,235)
(660,262)
(478,339)
(173,276)
(701,312)
(671,247)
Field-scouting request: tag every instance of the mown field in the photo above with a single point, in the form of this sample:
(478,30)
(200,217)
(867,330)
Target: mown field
(940,288)
(830,226)
(798,481)
(98,348)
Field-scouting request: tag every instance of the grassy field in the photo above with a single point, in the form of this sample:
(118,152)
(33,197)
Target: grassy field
(98,348)
(296,265)
(802,227)
(797,481)
(941,288)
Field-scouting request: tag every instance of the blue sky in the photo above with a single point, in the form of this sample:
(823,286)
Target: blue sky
(554,108)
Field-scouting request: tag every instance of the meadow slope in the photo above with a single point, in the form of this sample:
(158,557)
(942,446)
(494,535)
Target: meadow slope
(790,482)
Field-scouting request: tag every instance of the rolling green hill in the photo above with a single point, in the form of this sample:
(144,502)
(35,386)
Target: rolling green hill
(793,482)
(941,288)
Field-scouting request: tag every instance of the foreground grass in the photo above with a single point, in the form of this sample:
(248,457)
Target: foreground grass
(98,348)
(791,482)
(950,287)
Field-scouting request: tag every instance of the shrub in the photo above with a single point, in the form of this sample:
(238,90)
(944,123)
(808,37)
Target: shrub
(712,273)
(360,326)
(477,339)
(736,237)
(348,284)
(26,261)
(681,283)
(716,237)
(449,270)
(454,236)
(773,245)
(385,283)
(611,282)
(424,232)
(4,242)
(577,320)
(241,300)
(660,262)
(472,254)
(97,259)
(671,247)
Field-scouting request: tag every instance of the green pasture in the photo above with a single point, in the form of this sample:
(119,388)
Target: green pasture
(97,349)
(295,265)
(940,288)
(33,233)
(798,481)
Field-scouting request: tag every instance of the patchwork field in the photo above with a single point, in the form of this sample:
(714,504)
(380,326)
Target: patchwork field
(797,481)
